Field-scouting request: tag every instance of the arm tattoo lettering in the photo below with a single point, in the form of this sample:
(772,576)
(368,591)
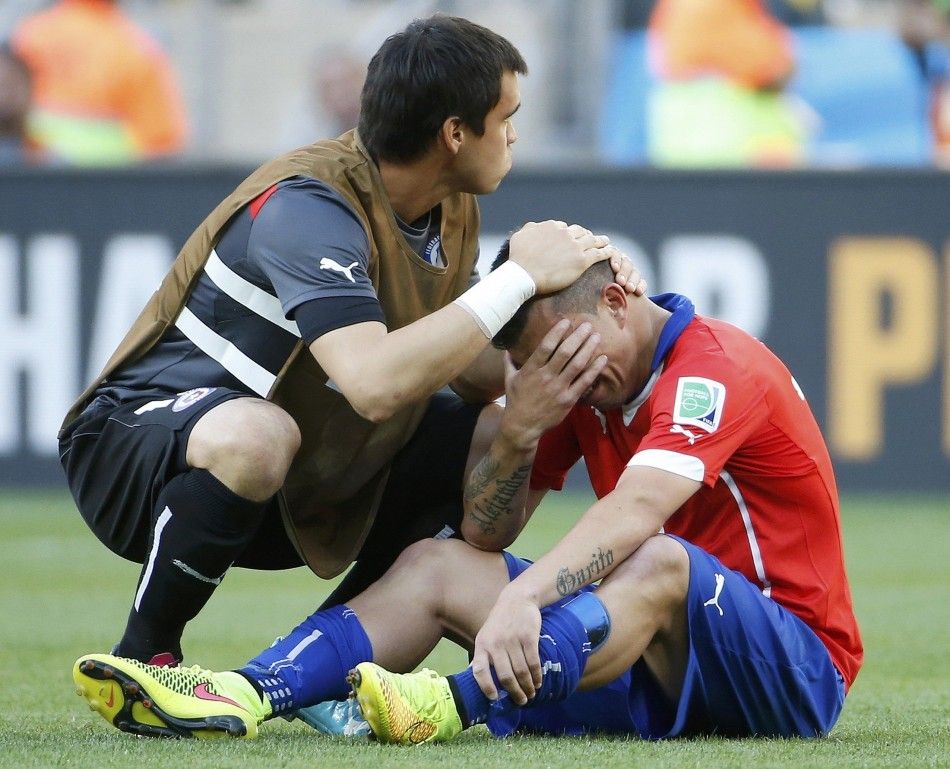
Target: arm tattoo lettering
(481,477)
(485,512)
(568,581)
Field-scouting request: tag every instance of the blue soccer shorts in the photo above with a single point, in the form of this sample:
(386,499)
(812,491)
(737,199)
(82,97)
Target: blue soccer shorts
(754,668)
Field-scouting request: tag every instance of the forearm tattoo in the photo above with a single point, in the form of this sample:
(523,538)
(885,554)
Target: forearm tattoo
(568,581)
(485,510)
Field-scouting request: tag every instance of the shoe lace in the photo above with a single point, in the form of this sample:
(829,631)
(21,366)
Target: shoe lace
(424,704)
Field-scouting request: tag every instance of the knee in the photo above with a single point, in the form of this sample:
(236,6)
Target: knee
(659,569)
(431,565)
(426,558)
(253,449)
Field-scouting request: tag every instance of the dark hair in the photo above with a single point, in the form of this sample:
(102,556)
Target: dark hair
(436,68)
(581,296)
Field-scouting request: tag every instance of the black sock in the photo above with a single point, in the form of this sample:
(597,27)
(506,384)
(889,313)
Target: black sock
(253,682)
(200,528)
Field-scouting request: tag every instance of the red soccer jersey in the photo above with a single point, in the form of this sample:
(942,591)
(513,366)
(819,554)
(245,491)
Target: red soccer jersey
(723,410)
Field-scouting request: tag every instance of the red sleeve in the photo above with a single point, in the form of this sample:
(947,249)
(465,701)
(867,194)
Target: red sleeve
(558,451)
(704,409)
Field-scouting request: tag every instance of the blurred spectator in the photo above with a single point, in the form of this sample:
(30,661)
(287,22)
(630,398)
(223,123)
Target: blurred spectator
(635,14)
(330,104)
(797,13)
(925,28)
(104,92)
(722,67)
(16,148)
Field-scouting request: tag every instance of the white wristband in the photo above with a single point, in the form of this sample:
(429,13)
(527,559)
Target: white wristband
(496,298)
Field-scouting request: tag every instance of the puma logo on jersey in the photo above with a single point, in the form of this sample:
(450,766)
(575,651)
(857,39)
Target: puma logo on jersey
(691,436)
(329,264)
(714,601)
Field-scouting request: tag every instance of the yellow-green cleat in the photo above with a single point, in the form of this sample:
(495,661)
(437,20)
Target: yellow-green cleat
(406,708)
(155,701)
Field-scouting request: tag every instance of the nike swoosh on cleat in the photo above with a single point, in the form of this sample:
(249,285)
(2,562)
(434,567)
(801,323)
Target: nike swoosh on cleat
(111,700)
(202,693)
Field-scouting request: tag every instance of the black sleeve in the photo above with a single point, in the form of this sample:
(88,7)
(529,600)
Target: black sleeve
(319,316)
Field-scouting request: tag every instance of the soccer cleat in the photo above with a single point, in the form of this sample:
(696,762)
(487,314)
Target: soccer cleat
(405,708)
(341,718)
(155,701)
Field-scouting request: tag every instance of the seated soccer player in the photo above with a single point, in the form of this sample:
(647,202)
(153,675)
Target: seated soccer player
(723,605)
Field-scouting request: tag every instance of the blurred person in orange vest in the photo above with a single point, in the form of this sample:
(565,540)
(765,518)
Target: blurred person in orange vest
(104,92)
(16,148)
(723,65)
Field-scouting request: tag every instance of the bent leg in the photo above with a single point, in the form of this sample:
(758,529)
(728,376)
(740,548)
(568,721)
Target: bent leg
(646,599)
(753,667)
(231,456)
(247,444)
(436,588)
(748,667)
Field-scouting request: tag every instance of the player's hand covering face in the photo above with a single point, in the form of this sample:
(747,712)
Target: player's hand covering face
(541,389)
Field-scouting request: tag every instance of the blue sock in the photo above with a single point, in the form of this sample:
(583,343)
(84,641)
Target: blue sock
(311,663)
(563,647)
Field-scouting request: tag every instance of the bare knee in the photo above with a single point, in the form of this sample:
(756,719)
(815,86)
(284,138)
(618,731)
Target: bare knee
(248,444)
(659,571)
(428,562)
(458,582)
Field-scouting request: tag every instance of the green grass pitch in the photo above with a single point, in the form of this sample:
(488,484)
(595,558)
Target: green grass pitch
(62,594)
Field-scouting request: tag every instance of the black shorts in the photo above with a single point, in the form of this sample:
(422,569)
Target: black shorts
(118,457)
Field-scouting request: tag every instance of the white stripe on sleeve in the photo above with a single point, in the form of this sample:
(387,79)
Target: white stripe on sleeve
(671,461)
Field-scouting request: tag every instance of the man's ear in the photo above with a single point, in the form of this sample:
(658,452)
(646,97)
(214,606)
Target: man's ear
(452,134)
(615,299)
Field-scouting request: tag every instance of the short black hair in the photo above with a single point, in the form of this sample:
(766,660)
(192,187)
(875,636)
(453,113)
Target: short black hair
(436,68)
(581,296)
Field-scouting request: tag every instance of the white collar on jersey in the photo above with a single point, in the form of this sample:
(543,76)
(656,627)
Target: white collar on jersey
(630,407)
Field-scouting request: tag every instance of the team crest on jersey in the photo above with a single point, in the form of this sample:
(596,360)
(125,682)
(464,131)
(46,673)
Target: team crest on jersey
(433,251)
(191,397)
(699,402)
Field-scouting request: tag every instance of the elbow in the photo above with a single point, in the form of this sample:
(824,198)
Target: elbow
(372,410)
(375,404)
(487,541)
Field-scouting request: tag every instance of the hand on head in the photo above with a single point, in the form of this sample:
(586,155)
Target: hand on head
(555,254)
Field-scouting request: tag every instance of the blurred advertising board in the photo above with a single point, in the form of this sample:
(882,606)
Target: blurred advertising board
(846,275)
